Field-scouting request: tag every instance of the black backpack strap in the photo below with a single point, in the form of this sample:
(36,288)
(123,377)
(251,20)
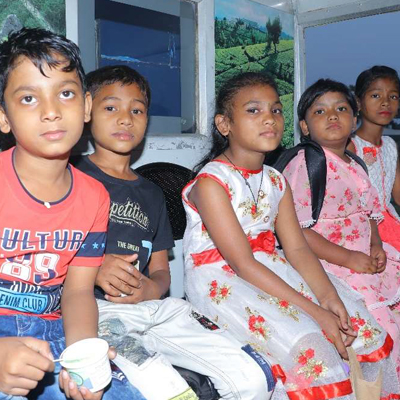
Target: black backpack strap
(316,169)
(357,159)
(286,156)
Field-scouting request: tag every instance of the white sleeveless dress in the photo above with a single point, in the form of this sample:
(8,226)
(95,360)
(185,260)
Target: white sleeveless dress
(381,162)
(303,358)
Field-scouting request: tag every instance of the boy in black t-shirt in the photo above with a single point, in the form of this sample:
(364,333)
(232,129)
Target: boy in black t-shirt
(150,333)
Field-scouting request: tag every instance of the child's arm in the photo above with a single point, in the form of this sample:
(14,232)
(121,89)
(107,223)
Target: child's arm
(78,304)
(377,251)
(334,254)
(23,363)
(131,282)
(80,316)
(219,218)
(159,279)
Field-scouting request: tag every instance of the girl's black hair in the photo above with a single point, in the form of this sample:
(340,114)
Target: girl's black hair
(368,76)
(319,88)
(224,106)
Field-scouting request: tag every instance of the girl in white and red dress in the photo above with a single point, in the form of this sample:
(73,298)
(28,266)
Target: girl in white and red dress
(281,303)
(377,90)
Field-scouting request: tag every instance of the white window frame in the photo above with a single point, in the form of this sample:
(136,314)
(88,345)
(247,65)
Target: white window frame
(328,11)
(81,29)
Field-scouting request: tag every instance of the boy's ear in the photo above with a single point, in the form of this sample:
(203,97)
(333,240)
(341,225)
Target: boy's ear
(222,124)
(4,124)
(88,106)
(304,127)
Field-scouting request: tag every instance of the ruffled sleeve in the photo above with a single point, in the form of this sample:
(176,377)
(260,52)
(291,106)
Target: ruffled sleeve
(297,177)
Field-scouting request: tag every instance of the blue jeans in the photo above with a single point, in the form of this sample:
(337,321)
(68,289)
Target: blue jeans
(52,331)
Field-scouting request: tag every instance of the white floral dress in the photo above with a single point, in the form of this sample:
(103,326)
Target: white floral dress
(382,165)
(303,358)
(381,162)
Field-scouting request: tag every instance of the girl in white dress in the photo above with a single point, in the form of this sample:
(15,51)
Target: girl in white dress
(281,303)
(377,90)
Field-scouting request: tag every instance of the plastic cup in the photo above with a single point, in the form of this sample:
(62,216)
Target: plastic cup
(88,364)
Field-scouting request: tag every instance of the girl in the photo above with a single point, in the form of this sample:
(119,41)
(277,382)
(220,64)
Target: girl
(377,91)
(281,304)
(344,236)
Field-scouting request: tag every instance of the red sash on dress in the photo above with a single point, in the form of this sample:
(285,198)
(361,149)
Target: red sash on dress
(265,242)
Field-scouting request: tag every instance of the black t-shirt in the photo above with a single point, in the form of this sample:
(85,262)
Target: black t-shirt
(138,221)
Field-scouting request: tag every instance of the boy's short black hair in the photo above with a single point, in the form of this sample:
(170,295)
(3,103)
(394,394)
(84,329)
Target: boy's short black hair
(368,76)
(318,89)
(122,74)
(42,47)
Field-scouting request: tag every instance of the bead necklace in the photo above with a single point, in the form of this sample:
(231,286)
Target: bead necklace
(247,182)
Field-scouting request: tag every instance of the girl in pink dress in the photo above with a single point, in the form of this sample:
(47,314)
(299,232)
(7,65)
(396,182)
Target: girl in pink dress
(344,235)
(377,91)
(278,303)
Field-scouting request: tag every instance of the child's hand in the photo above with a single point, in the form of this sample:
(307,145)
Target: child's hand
(379,255)
(148,290)
(23,363)
(361,263)
(335,305)
(118,276)
(331,325)
(72,391)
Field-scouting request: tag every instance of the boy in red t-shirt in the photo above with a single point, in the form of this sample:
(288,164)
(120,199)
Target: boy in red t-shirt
(53,218)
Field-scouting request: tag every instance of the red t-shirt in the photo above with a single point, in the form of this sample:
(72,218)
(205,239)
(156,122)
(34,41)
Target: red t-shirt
(38,242)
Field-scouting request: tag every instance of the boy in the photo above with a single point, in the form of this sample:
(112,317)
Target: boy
(53,218)
(132,316)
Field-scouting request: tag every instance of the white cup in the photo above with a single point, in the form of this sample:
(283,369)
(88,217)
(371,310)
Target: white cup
(88,364)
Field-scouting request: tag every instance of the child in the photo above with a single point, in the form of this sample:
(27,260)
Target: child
(281,302)
(377,91)
(344,236)
(132,316)
(53,218)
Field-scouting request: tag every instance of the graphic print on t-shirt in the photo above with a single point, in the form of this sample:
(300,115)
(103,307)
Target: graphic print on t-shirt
(129,213)
(34,256)
(138,219)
